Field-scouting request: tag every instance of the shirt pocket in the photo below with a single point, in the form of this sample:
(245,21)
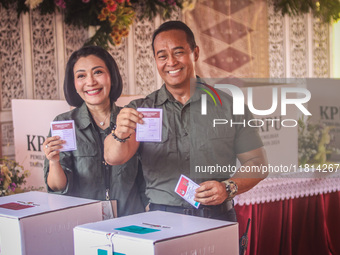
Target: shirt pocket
(87,160)
(125,173)
(86,150)
(155,154)
(166,145)
(212,145)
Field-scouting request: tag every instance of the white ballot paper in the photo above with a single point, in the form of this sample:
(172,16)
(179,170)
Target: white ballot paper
(186,189)
(65,129)
(151,129)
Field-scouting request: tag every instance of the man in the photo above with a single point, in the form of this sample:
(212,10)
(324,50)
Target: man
(188,138)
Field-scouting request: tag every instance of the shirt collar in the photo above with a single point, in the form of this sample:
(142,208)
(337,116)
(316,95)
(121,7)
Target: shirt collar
(164,94)
(199,89)
(84,119)
(197,92)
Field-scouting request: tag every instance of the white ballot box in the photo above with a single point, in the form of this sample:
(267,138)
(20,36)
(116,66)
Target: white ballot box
(35,223)
(157,233)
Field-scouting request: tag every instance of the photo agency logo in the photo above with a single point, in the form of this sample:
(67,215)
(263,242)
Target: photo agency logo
(300,97)
(204,97)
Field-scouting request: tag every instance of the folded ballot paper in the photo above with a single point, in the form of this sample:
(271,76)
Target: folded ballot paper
(186,189)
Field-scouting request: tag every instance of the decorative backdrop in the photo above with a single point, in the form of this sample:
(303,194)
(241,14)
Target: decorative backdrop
(233,37)
(34,50)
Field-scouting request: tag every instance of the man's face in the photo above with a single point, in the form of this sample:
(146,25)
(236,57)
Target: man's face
(174,59)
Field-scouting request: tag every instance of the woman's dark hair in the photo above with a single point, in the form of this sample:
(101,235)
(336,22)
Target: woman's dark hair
(70,92)
(175,25)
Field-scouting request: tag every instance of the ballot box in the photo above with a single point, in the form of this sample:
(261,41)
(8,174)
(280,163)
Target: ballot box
(158,233)
(35,223)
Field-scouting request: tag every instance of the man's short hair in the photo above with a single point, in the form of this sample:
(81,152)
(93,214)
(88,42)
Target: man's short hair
(175,25)
(70,92)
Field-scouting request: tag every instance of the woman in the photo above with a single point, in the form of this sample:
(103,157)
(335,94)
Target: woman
(92,84)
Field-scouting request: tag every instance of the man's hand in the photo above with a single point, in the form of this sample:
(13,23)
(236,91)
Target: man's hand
(211,193)
(126,123)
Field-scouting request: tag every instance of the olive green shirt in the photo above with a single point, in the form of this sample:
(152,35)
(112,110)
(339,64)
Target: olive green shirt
(189,140)
(87,174)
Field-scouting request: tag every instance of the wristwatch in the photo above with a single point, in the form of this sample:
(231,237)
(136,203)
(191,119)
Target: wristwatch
(231,188)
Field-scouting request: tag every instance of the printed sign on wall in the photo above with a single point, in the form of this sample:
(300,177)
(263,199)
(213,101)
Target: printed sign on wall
(325,108)
(31,121)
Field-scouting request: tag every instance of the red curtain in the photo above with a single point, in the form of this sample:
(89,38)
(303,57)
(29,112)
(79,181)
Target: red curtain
(308,225)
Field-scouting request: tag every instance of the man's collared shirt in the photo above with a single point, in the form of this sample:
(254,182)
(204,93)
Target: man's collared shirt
(189,141)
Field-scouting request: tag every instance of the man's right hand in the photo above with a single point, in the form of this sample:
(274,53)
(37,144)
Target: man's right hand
(126,122)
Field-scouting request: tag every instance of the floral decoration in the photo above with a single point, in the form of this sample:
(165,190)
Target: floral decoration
(314,142)
(12,177)
(326,10)
(111,19)
(188,5)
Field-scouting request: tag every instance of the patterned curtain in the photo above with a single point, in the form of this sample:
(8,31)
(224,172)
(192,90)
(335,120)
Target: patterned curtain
(232,36)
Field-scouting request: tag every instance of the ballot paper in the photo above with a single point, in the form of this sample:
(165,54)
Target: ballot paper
(66,131)
(186,189)
(151,129)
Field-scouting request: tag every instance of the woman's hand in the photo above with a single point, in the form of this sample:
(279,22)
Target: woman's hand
(51,148)
(127,120)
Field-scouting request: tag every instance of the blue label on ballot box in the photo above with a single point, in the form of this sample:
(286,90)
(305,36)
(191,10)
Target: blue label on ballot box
(137,229)
(104,252)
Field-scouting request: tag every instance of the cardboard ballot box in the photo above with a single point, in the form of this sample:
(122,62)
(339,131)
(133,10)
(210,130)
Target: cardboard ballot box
(35,223)
(157,233)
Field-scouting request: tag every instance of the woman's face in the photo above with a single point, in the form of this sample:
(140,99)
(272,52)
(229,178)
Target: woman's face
(92,80)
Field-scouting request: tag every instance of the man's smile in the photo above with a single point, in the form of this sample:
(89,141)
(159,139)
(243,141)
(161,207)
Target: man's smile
(175,71)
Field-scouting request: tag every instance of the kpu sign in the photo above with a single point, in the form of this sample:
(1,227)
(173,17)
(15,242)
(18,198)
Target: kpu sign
(31,121)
